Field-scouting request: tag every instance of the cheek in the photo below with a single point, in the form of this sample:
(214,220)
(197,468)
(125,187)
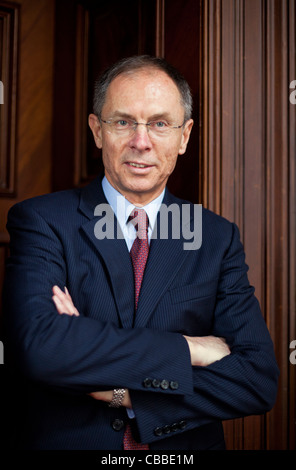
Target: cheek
(111,154)
(169,160)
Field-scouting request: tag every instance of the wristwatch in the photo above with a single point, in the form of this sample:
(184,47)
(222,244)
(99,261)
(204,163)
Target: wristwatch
(118,396)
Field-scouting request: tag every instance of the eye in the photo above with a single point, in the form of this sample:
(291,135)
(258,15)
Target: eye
(159,125)
(122,123)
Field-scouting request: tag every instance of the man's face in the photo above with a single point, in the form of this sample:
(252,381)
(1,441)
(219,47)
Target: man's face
(138,164)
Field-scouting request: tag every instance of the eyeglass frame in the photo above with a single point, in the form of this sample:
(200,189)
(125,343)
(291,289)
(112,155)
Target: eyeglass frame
(136,124)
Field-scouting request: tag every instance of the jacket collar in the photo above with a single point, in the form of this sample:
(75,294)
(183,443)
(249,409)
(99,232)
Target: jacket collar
(91,195)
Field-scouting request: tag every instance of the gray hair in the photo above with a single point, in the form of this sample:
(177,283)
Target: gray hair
(133,64)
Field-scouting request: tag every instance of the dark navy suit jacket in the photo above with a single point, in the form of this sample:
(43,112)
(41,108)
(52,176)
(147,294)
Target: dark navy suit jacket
(63,358)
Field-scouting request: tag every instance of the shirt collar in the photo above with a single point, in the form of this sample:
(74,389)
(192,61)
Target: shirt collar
(122,207)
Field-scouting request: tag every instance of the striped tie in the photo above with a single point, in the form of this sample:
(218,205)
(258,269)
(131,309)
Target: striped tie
(139,254)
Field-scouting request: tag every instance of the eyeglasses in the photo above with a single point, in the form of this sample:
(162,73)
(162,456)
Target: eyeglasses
(126,127)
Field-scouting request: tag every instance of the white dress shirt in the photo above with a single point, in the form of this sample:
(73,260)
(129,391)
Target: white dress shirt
(122,208)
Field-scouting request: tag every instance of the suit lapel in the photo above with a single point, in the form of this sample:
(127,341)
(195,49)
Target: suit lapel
(165,260)
(113,251)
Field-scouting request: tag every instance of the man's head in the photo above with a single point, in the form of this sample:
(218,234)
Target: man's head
(138,158)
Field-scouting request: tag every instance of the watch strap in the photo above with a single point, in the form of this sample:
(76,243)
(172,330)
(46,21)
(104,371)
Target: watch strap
(118,396)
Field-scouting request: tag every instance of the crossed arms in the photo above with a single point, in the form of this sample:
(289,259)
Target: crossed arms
(203,350)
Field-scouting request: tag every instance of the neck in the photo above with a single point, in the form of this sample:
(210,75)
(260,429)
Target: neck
(138,199)
(141,200)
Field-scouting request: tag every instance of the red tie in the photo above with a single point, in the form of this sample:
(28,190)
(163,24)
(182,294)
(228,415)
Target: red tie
(139,254)
(140,249)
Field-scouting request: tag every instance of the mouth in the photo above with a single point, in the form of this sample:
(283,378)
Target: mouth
(138,165)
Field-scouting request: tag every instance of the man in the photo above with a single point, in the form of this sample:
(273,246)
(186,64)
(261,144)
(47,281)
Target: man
(173,352)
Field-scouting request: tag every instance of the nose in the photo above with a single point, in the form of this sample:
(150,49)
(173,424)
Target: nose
(140,139)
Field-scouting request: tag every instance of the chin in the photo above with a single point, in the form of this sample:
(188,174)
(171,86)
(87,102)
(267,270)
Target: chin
(140,186)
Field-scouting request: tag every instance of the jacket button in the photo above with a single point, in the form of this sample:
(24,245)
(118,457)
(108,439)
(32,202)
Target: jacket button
(174,427)
(156,383)
(167,429)
(182,424)
(174,385)
(147,382)
(117,424)
(158,431)
(164,384)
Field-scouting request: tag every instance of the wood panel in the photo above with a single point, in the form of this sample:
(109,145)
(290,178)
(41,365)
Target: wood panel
(34,104)
(280,193)
(291,40)
(29,100)
(182,49)
(248,173)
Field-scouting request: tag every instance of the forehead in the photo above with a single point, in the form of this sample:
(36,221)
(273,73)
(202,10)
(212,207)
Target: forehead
(150,89)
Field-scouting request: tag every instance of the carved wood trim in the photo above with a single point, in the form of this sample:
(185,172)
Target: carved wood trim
(292,220)
(9,14)
(160,28)
(210,112)
(81,95)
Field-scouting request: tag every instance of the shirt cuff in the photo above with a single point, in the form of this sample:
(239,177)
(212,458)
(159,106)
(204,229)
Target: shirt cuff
(130,413)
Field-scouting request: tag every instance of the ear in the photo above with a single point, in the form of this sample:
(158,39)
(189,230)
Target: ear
(95,125)
(185,136)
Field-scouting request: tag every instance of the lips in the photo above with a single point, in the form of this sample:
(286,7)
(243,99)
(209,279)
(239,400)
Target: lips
(138,165)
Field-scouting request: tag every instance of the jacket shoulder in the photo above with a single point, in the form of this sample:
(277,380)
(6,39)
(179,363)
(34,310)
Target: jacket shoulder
(59,203)
(210,218)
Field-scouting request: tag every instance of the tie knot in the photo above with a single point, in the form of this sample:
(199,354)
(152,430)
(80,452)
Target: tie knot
(139,219)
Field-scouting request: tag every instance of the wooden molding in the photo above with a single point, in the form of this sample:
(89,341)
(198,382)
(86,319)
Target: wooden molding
(9,14)
(160,28)
(292,220)
(210,111)
(81,95)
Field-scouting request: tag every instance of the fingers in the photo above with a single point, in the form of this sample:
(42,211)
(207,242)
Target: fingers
(105,395)
(206,349)
(63,302)
(108,395)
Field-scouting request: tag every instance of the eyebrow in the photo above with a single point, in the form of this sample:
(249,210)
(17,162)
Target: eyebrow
(165,115)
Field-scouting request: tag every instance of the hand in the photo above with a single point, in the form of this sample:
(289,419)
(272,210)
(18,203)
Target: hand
(63,302)
(204,350)
(108,395)
(64,305)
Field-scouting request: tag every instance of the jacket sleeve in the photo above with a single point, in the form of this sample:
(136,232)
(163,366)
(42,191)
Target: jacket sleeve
(73,354)
(243,383)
